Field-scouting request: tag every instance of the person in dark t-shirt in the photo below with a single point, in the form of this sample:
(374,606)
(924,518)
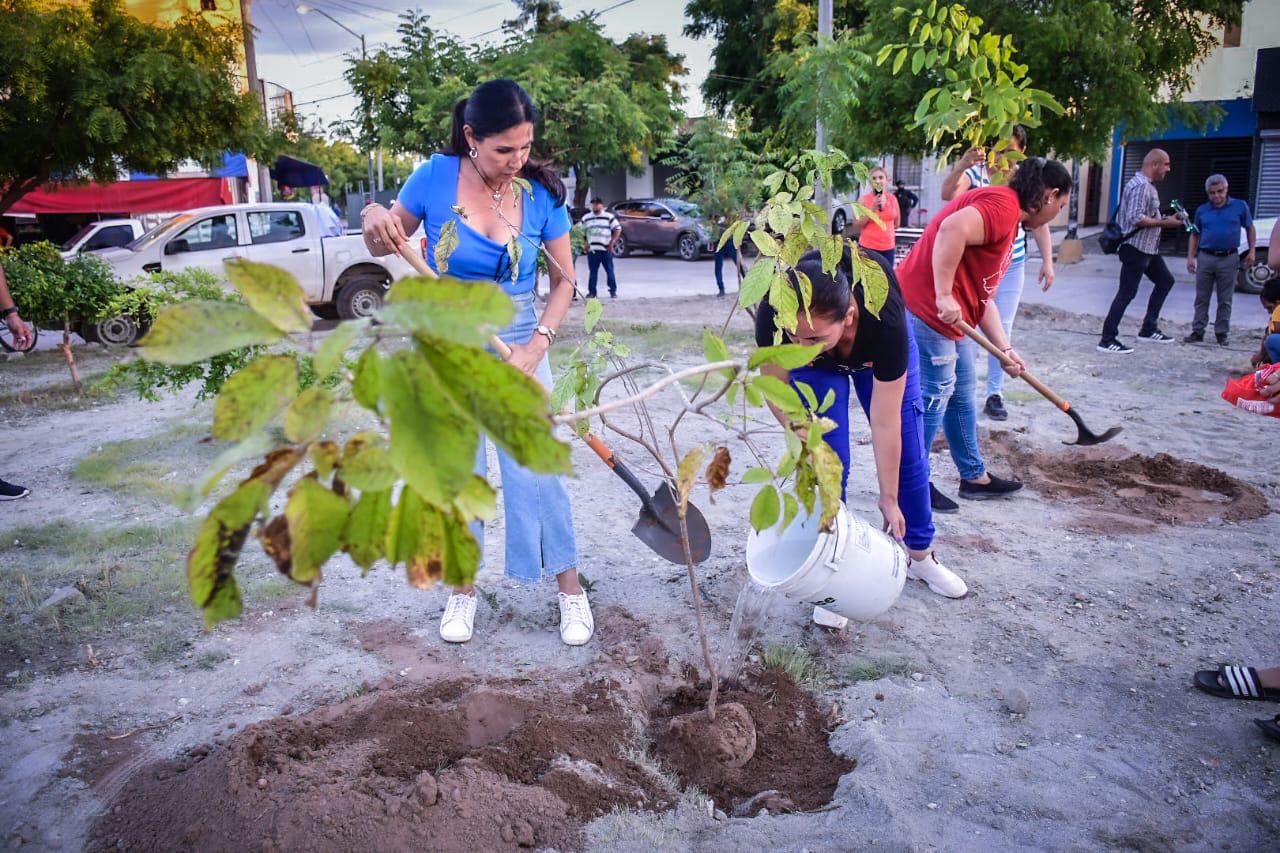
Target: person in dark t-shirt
(879,355)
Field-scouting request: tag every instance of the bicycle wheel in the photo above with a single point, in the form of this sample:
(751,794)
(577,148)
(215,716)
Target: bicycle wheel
(6,338)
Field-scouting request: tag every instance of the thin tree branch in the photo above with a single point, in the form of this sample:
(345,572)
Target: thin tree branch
(574,417)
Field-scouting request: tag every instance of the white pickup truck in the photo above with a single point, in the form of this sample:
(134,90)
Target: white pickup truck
(339,276)
(103,234)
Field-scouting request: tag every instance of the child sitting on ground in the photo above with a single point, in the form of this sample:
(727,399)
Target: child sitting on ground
(1269,352)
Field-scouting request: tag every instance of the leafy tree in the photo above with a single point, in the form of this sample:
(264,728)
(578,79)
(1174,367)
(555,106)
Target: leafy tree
(90,90)
(716,170)
(1108,62)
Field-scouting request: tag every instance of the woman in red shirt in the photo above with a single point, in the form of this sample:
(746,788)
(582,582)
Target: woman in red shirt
(880,239)
(951,274)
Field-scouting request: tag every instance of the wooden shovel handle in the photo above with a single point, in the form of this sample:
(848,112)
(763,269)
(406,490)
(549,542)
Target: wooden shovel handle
(422,268)
(1005,360)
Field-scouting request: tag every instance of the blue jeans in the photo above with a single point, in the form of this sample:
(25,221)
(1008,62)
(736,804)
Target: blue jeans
(728,253)
(1008,295)
(913,470)
(1271,343)
(947,384)
(539,520)
(594,262)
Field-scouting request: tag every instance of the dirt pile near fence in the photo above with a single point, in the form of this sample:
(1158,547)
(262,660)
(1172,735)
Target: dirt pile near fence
(462,765)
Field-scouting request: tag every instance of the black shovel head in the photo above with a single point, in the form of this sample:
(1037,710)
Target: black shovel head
(660,529)
(1086,436)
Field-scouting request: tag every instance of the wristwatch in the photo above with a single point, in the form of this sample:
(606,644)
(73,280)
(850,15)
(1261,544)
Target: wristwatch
(13,309)
(547,331)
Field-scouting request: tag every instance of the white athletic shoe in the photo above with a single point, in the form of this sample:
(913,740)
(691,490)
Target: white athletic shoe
(827,619)
(576,622)
(940,579)
(459,618)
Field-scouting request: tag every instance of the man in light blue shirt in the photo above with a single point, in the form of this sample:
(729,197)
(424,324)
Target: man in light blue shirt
(1213,256)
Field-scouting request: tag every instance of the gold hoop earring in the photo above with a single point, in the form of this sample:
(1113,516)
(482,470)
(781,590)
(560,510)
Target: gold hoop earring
(473,153)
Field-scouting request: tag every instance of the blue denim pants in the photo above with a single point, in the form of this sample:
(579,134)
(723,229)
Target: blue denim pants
(539,521)
(947,385)
(595,260)
(730,254)
(1271,343)
(1008,295)
(913,470)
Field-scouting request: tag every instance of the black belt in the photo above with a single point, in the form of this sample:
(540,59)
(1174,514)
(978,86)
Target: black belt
(1219,253)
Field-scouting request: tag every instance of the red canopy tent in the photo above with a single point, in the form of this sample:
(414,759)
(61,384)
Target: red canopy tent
(129,197)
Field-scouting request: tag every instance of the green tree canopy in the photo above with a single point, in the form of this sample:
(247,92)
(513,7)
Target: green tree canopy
(716,170)
(89,91)
(1109,62)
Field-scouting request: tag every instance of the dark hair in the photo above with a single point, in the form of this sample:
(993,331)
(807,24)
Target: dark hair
(597,200)
(1270,292)
(1019,135)
(831,292)
(1033,176)
(494,107)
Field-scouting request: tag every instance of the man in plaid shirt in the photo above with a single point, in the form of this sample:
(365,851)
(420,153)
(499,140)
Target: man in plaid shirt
(1139,217)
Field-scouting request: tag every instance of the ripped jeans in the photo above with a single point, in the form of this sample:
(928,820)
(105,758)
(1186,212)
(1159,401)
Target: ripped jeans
(947,384)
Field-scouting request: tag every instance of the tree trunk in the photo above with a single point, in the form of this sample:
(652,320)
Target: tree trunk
(697,612)
(582,185)
(66,353)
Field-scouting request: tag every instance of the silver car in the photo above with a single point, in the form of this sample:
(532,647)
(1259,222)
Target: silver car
(662,225)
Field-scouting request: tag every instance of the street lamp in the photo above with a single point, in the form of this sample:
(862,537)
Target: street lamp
(303,9)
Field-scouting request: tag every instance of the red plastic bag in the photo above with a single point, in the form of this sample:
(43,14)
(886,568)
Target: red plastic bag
(1243,393)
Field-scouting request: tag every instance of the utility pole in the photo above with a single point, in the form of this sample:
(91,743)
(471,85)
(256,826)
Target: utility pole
(825,15)
(259,90)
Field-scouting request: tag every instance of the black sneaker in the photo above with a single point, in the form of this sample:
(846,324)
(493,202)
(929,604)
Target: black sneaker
(1222,340)
(1114,346)
(10,492)
(997,488)
(940,502)
(1194,338)
(995,408)
(1156,337)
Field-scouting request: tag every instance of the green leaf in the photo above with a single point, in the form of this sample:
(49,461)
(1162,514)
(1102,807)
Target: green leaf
(917,61)
(740,233)
(765,243)
(416,537)
(367,467)
(595,308)
(335,345)
(477,500)
(756,282)
(324,456)
(316,519)
(884,54)
(364,536)
(514,250)
(462,552)
(367,386)
(897,63)
(713,347)
(765,508)
(780,219)
(212,561)
(273,293)
(307,417)
(780,393)
(433,444)
(786,356)
(875,287)
(505,404)
(253,396)
(462,312)
(446,245)
(255,445)
(827,401)
(806,392)
(687,472)
(830,472)
(757,475)
(790,509)
(524,185)
(200,329)
(832,249)
(783,298)
(725,237)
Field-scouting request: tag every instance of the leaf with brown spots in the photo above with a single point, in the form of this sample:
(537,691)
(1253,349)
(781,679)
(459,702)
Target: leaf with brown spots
(717,473)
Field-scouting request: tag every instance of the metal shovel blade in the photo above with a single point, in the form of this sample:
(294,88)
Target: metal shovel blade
(1086,436)
(660,528)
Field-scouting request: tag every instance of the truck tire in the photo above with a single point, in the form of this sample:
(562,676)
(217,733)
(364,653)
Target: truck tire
(122,331)
(325,311)
(688,247)
(360,297)
(1252,279)
(620,248)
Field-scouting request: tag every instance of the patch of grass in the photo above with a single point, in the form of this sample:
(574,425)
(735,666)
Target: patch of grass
(874,669)
(167,646)
(210,658)
(351,691)
(797,663)
(155,466)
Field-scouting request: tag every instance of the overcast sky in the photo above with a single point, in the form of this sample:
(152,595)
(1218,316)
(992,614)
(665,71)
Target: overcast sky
(304,52)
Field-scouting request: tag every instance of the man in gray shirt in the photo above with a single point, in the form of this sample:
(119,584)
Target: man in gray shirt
(1139,217)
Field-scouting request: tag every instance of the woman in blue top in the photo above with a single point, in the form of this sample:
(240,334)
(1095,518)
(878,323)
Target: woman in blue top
(488,147)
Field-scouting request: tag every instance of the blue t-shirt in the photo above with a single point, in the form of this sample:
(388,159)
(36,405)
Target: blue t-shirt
(1220,226)
(431,193)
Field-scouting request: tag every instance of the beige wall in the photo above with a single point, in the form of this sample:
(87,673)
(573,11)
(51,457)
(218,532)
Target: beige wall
(1227,73)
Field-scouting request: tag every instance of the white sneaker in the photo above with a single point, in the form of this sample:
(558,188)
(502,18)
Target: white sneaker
(576,622)
(459,618)
(940,579)
(827,619)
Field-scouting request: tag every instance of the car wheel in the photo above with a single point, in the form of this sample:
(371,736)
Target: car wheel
(325,311)
(620,248)
(360,297)
(688,246)
(838,222)
(1251,279)
(119,331)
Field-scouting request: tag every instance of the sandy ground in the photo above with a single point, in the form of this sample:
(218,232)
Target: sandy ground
(1050,709)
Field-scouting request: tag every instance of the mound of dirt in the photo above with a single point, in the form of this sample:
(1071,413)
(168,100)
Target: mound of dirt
(1151,489)
(792,758)
(456,766)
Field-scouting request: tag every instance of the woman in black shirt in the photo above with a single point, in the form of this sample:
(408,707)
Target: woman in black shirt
(879,355)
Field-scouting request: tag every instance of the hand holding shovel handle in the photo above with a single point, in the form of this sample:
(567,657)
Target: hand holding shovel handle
(1086,436)
(422,268)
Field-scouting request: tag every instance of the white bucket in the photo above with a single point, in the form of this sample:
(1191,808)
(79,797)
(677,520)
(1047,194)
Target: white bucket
(855,570)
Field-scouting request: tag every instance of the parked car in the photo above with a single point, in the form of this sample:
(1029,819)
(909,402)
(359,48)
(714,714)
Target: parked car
(1251,279)
(338,275)
(103,234)
(662,225)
